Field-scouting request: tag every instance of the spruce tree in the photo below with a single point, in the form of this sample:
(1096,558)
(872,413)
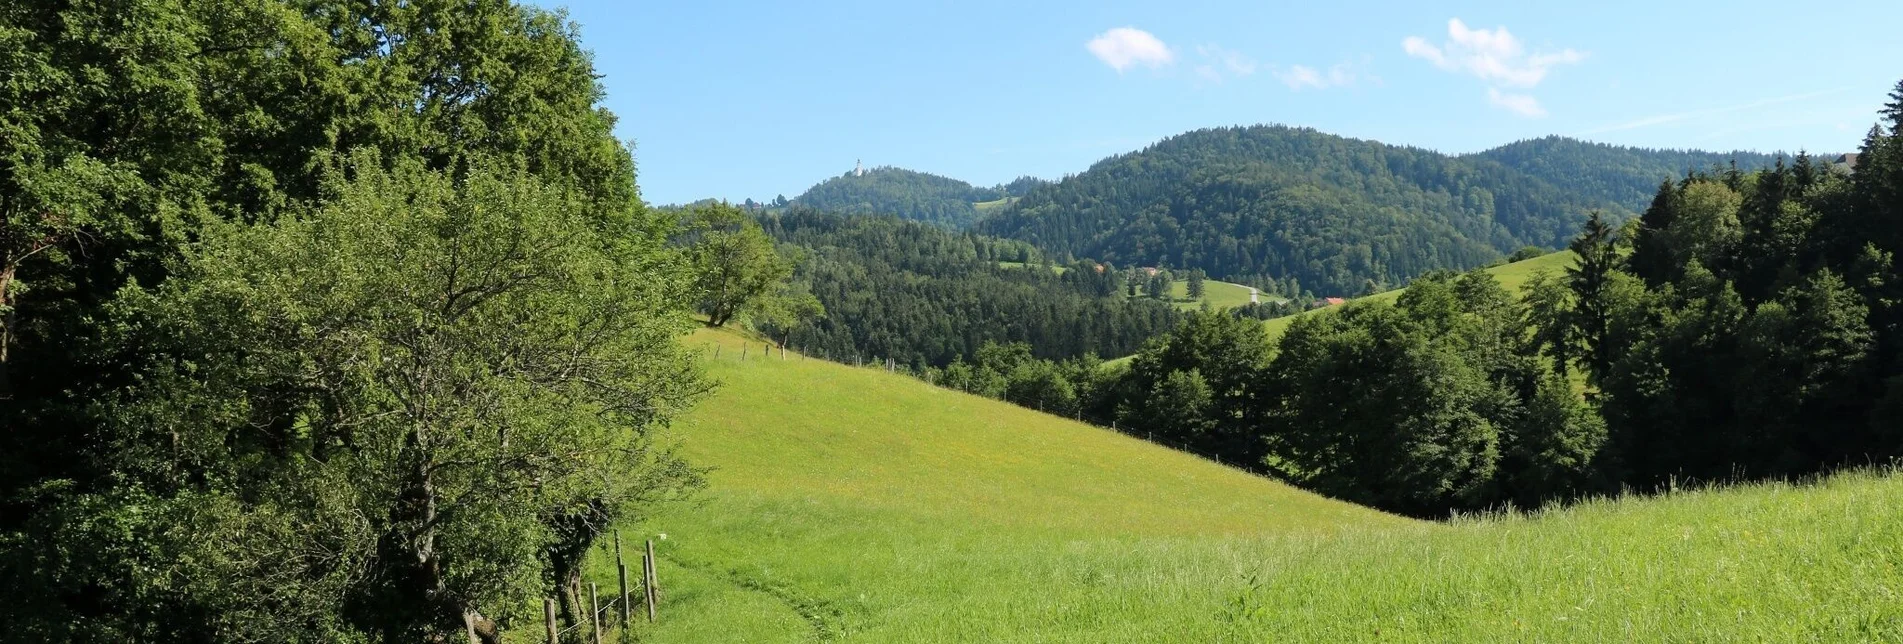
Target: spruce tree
(1597,257)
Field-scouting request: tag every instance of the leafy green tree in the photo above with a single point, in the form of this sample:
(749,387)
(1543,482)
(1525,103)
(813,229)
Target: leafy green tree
(735,263)
(155,125)
(1371,408)
(1552,451)
(1228,354)
(1196,286)
(1806,369)
(1706,227)
(1181,405)
(1549,308)
(1526,253)
(427,378)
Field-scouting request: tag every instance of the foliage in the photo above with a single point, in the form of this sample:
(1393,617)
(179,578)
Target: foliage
(231,355)
(909,195)
(874,521)
(737,269)
(926,296)
(1325,212)
(1611,174)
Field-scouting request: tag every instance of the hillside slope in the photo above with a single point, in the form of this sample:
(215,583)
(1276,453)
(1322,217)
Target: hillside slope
(851,504)
(1328,212)
(1512,276)
(1614,174)
(909,194)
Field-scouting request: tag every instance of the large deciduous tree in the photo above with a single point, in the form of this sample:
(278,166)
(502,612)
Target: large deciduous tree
(202,433)
(735,263)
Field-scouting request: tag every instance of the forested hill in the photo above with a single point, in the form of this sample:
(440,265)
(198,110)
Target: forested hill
(1269,201)
(923,295)
(917,196)
(1609,173)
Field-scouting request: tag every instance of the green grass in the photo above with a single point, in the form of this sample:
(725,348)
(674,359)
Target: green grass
(1512,276)
(984,207)
(1058,269)
(1221,295)
(855,505)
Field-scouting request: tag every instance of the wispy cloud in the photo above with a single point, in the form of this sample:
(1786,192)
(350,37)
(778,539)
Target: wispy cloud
(1520,104)
(1125,47)
(1300,77)
(1674,117)
(1218,63)
(1496,57)
(1492,55)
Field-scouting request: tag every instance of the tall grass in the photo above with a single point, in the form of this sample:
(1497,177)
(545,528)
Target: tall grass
(854,505)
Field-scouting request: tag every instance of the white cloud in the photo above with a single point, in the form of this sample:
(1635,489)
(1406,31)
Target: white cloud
(1299,77)
(1126,47)
(1496,57)
(1520,104)
(1492,55)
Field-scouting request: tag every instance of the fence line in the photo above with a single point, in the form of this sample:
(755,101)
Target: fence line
(597,613)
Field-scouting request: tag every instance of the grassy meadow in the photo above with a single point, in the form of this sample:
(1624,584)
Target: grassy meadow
(849,504)
(1221,295)
(985,207)
(1512,276)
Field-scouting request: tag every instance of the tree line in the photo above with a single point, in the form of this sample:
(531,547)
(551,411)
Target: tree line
(1321,213)
(1610,173)
(1748,325)
(907,194)
(926,296)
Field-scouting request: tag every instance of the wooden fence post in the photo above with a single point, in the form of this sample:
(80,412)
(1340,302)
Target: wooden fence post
(743,351)
(647,585)
(621,569)
(548,615)
(594,616)
(654,581)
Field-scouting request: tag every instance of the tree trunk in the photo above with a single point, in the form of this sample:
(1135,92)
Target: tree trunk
(482,630)
(6,330)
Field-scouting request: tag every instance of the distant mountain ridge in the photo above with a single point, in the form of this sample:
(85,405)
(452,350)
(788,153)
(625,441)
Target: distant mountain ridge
(1273,202)
(1621,175)
(908,194)
(1262,204)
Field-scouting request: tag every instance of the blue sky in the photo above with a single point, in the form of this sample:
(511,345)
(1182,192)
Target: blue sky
(753,99)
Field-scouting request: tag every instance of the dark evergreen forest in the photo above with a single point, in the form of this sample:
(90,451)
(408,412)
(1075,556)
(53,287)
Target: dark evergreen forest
(907,194)
(924,295)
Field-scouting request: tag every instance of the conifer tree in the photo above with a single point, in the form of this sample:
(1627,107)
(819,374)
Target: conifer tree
(1597,258)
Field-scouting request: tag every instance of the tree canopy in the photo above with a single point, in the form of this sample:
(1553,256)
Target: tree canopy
(1293,205)
(324,321)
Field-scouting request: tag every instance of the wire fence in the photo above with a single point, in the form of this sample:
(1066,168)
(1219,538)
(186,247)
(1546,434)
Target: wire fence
(618,613)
